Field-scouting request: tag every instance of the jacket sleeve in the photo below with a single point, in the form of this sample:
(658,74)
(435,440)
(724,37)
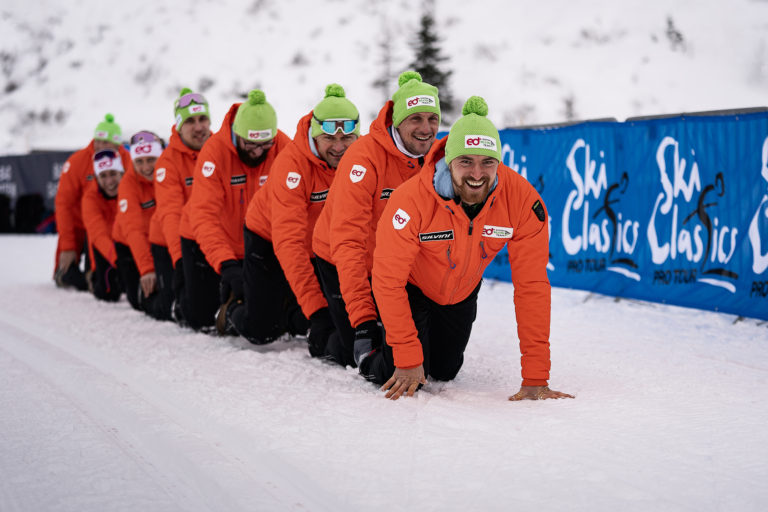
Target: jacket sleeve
(350,225)
(98,228)
(131,217)
(396,251)
(290,222)
(68,199)
(207,207)
(169,194)
(528,256)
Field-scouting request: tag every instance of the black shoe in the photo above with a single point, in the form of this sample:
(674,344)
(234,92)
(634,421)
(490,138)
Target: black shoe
(223,323)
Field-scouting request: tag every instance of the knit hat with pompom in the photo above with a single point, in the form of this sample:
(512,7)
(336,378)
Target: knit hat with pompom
(108,130)
(256,120)
(334,107)
(473,133)
(413,96)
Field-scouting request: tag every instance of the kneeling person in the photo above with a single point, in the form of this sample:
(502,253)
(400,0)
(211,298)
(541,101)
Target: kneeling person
(279,263)
(436,236)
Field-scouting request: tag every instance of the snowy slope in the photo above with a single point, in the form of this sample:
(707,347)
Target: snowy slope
(105,409)
(63,65)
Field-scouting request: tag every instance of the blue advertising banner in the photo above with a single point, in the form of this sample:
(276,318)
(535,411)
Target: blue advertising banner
(669,210)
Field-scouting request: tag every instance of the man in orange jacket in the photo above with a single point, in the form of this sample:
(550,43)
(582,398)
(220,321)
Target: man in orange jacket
(136,224)
(232,165)
(75,175)
(344,236)
(436,236)
(279,263)
(99,208)
(173,187)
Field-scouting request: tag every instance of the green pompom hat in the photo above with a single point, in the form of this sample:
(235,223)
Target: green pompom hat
(413,96)
(189,104)
(334,107)
(108,130)
(256,120)
(473,133)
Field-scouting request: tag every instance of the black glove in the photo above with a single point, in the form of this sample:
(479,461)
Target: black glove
(320,329)
(231,280)
(178,278)
(367,339)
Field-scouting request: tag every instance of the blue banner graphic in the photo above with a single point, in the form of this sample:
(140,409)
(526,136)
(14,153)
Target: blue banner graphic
(670,210)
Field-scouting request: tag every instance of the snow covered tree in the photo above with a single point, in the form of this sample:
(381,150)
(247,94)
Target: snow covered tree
(429,61)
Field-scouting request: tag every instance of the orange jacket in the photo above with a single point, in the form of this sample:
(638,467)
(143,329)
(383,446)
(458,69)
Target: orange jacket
(430,242)
(173,186)
(135,209)
(291,201)
(345,233)
(223,187)
(99,214)
(76,173)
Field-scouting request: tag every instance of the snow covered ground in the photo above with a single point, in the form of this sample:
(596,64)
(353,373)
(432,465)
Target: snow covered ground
(104,409)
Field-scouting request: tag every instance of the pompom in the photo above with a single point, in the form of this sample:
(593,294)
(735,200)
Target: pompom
(475,105)
(185,90)
(257,97)
(405,76)
(334,90)
(109,118)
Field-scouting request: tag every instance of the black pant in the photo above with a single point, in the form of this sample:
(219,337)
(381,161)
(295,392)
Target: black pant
(129,274)
(105,279)
(201,286)
(74,276)
(270,307)
(443,331)
(339,348)
(158,304)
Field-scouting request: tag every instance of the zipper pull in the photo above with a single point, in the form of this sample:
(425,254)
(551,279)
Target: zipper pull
(450,263)
(470,226)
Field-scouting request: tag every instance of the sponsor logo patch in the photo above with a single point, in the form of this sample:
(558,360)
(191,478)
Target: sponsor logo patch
(148,204)
(123,205)
(422,100)
(259,134)
(240,179)
(160,174)
(386,192)
(292,180)
(102,135)
(65,168)
(479,141)
(262,180)
(497,231)
(318,197)
(538,209)
(357,173)
(188,181)
(436,236)
(208,168)
(400,219)
(197,109)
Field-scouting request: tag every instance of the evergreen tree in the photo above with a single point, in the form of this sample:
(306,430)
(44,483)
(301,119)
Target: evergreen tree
(428,60)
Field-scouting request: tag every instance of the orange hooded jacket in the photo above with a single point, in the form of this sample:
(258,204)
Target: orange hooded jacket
(285,211)
(223,187)
(430,242)
(99,214)
(76,173)
(345,233)
(173,186)
(135,216)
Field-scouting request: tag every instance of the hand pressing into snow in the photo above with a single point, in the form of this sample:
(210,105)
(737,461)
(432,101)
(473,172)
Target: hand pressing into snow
(404,381)
(537,393)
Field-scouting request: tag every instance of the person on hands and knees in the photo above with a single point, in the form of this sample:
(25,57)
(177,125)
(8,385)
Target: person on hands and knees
(437,234)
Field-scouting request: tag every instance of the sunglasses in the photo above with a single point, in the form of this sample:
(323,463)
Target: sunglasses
(144,137)
(248,145)
(188,98)
(331,126)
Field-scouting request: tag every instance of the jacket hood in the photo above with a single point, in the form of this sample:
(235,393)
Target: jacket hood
(178,145)
(379,130)
(225,136)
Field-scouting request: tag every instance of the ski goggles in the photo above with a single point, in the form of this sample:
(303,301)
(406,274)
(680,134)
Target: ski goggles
(331,126)
(144,136)
(190,97)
